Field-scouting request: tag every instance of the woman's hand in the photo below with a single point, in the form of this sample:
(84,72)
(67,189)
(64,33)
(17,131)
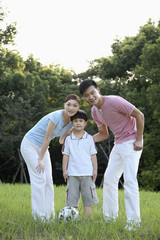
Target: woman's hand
(40,166)
(62,138)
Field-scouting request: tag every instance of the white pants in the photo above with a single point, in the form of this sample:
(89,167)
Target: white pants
(42,192)
(123,159)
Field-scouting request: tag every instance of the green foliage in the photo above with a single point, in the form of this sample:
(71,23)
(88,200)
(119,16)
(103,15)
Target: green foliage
(27,94)
(8,33)
(30,90)
(133,72)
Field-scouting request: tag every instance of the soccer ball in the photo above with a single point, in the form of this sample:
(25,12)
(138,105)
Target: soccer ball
(68,213)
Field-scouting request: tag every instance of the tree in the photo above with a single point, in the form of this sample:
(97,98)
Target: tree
(133,73)
(8,32)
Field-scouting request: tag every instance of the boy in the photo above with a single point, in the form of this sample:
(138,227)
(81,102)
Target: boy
(80,165)
(127,124)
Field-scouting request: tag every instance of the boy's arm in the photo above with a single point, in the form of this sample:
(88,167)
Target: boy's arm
(102,134)
(65,166)
(138,144)
(94,162)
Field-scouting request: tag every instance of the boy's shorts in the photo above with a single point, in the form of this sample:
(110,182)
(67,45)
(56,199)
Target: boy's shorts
(84,185)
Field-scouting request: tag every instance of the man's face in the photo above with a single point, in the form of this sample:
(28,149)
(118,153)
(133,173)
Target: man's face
(92,95)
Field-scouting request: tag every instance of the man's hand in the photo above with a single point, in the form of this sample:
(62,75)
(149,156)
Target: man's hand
(40,166)
(138,145)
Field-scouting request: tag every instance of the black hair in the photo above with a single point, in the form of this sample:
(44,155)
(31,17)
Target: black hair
(86,84)
(80,114)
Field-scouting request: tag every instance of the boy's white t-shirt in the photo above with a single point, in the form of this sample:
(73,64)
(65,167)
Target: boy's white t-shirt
(79,152)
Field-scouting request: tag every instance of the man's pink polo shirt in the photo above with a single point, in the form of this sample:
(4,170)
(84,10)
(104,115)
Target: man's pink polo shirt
(115,113)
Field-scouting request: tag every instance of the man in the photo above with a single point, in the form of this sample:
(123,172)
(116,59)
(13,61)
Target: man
(127,124)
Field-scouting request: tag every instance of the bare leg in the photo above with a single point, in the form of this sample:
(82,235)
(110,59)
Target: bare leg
(87,211)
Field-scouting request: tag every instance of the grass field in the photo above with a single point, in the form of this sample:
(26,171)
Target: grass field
(16,221)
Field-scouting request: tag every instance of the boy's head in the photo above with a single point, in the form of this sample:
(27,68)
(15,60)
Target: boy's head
(86,84)
(79,121)
(81,115)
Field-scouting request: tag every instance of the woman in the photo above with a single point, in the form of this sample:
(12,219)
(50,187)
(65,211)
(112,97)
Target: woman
(34,149)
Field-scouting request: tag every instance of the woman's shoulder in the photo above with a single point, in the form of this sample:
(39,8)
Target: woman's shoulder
(56,113)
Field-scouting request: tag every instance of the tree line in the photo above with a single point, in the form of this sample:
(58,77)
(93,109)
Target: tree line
(29,90)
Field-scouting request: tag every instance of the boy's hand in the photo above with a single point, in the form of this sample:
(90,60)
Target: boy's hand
(94,175)
(40,166)
(65,175)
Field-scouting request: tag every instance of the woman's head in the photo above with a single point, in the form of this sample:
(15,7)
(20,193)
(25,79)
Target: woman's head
(73,97)
(71,104)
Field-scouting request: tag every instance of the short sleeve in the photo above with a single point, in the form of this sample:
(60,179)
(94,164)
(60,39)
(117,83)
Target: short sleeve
(65,148)
(55,117)
(123,106)
(93,149)
(95,118)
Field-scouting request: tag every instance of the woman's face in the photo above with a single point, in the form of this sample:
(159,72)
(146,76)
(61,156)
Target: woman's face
(71,107)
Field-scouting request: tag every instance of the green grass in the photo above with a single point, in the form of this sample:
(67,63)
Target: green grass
(16,221)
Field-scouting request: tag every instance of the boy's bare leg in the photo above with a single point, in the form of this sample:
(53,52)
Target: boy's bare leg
(87,211)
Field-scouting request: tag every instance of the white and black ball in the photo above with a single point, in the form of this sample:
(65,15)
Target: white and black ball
(68,214)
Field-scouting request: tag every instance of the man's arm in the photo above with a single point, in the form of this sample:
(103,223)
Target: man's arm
(138,144)
(102,134)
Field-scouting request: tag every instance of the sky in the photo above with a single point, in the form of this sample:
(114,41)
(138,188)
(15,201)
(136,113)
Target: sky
(73,32)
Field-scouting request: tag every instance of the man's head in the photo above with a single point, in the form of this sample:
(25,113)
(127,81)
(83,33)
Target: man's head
(86,84)
(90,92)
(79,120)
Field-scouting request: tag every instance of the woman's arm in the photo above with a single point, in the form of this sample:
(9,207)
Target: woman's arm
(47,139)
(61,139)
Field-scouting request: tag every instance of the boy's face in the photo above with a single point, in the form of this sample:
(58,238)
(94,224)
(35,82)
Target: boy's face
(79,124)
(92,95)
